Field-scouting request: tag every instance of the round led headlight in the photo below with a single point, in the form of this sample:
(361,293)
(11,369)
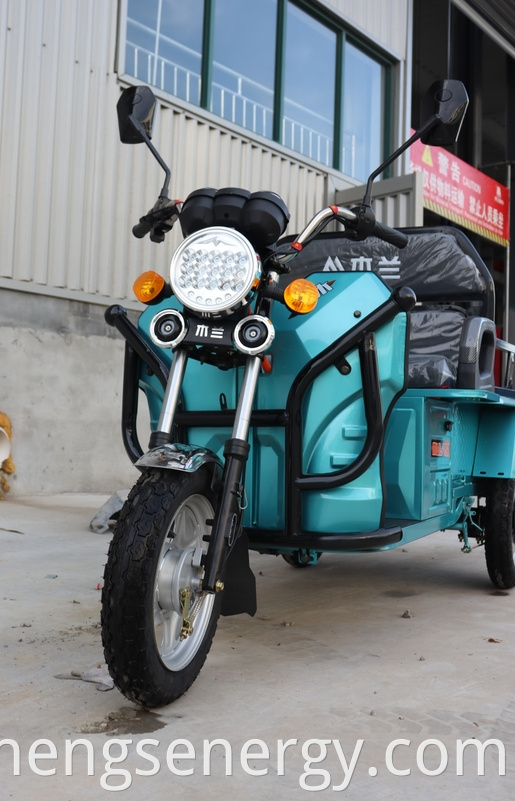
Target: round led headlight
(214,271)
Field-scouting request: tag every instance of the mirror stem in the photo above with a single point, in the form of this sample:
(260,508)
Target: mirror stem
(425,128)
(136,123)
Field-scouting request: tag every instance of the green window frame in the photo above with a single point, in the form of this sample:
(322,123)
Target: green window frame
(337,127)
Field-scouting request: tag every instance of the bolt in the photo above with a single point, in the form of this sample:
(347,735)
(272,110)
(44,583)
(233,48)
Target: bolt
(219,586)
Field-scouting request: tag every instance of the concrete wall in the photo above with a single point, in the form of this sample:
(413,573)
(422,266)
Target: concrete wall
(60,385)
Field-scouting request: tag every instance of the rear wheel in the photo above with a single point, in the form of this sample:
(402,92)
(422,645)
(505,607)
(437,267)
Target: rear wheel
(157,623)
(499,525)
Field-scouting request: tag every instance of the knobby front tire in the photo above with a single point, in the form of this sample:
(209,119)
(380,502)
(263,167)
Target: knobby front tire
(152,583)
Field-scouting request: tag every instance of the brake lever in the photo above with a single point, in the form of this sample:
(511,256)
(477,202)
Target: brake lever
(157,234)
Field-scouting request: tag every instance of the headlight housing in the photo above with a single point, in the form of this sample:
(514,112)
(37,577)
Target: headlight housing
(214,271)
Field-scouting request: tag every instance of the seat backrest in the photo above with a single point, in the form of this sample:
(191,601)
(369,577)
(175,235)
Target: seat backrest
(452,285)
(434,346)
(439,264)
(449,349)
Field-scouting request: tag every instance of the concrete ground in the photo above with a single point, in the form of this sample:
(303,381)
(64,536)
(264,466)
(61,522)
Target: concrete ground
(376,668)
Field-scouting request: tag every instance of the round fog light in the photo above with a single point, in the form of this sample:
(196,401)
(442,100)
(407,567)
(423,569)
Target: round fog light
(167,328)
(253,334)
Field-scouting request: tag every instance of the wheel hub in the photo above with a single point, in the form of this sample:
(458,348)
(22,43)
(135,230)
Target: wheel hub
(180,570)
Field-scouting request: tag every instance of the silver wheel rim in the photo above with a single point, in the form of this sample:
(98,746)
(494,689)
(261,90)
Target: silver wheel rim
(178,568)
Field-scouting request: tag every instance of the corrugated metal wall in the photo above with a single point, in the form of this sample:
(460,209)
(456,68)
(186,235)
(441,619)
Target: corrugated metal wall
(69,191)
(398,202)
(384,21)
(56,112)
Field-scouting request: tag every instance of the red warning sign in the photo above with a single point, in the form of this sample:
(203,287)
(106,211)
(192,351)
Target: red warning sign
(455,190)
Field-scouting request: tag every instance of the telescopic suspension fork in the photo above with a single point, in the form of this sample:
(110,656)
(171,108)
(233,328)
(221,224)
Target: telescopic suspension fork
(227,521)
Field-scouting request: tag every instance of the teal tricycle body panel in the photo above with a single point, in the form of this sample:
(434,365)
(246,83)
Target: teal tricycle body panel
(437,443)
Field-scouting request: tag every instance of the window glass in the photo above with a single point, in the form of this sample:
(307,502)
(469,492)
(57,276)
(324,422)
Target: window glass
(163,48)
(140,43)
(309,86)
(164,45)
(363,114)
(242,88)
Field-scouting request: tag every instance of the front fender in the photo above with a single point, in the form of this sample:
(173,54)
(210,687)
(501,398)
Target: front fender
(176,456)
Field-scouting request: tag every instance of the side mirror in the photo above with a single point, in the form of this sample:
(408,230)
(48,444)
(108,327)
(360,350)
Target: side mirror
(445,102)
(443,108)
(136,108)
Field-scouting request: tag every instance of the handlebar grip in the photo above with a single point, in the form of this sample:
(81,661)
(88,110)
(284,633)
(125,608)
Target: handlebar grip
(390,235)
(142,228)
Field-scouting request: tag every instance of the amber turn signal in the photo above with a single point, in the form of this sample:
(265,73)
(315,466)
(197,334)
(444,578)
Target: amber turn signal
(301,296)
(148,286)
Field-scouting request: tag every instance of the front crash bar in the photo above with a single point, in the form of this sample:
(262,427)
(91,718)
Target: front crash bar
(137,351)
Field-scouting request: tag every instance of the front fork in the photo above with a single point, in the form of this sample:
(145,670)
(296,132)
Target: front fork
(227,521)
(162,434)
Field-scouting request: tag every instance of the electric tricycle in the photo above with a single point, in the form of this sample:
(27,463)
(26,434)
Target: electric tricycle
(325,392)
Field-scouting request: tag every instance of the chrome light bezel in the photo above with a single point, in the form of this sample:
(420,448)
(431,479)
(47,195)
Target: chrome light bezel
(163,315)
(245,346)
(210,288)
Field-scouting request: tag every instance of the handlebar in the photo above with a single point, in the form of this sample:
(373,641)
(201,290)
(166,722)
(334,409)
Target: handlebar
(142,228)
(390,235)
(359,223)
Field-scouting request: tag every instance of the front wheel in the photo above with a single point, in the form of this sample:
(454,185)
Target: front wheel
(157,622)
(499,525)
